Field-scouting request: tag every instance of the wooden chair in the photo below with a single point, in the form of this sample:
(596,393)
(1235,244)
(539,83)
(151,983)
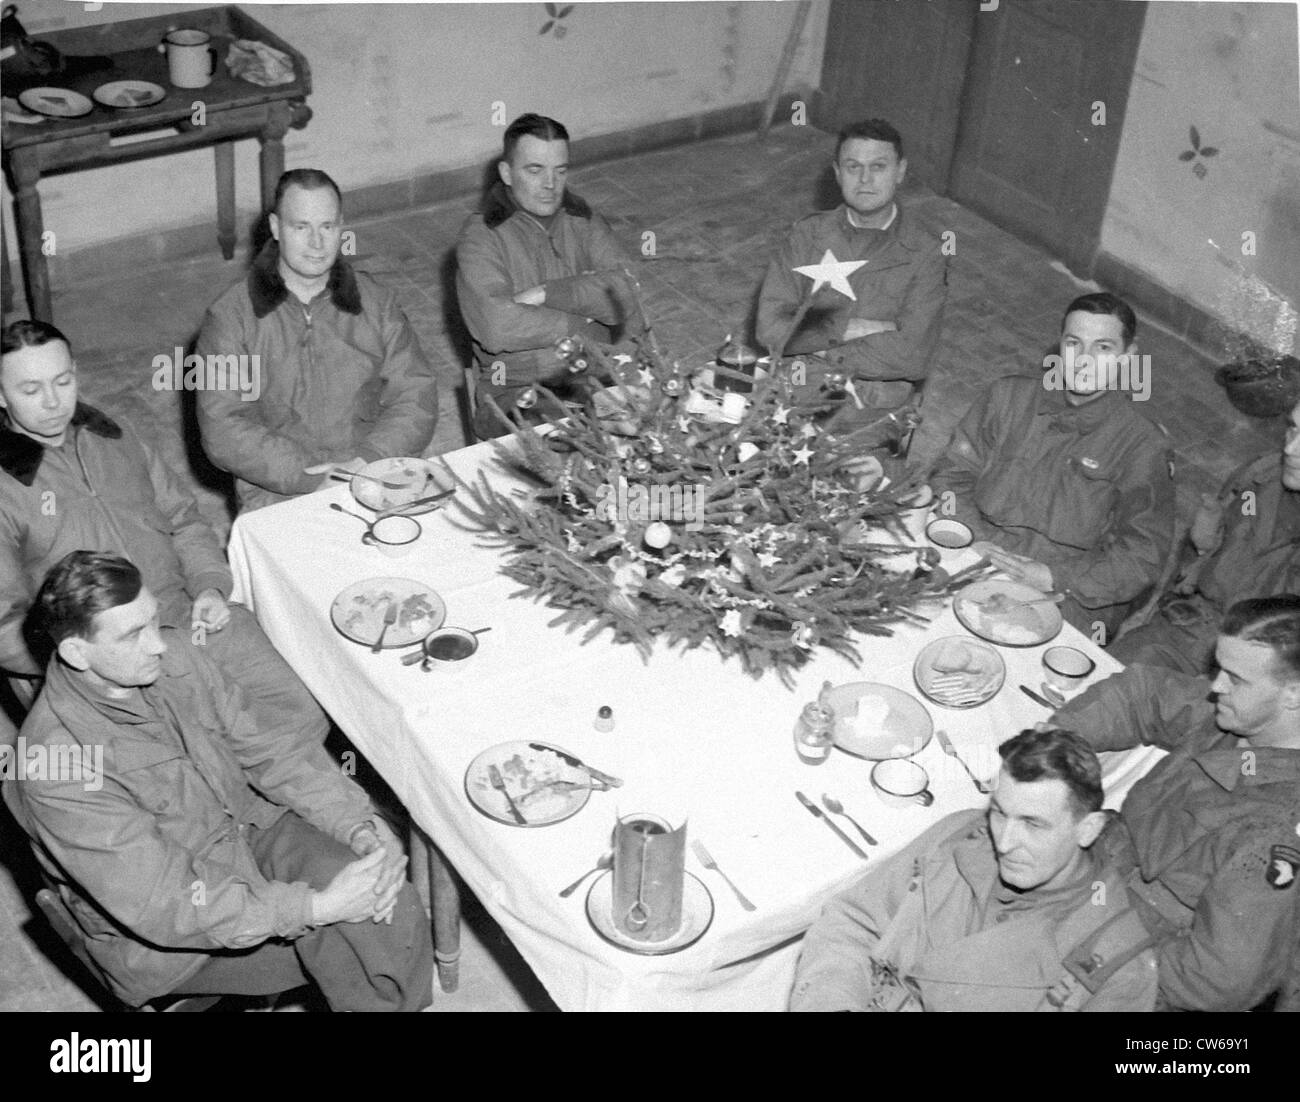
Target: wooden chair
(61,921)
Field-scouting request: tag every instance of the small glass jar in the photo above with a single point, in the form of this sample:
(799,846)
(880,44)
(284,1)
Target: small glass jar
(813,734)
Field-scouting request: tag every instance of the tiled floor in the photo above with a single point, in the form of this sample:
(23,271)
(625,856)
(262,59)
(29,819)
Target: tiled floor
(716,209)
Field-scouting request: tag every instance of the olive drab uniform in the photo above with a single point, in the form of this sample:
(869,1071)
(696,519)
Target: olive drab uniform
(1086,490)
(934,928)
(1258,555)
(1213,831)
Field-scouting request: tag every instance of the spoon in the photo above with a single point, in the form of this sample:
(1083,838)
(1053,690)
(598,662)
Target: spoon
(349,512)
(836,808)
(606,862)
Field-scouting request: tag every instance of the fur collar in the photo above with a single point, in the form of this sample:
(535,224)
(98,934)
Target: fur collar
(499,204)
(267,291)
(20,455)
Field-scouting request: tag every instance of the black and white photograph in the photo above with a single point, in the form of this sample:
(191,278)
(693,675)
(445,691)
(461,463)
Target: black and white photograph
(676,507)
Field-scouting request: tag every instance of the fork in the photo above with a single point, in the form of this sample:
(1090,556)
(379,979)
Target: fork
(709,863)
(390,618)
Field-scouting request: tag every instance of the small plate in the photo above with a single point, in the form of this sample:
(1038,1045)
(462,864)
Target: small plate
(1007,613)
(697,917)
(129,93)
(419,477)
(894,725)
(358,612)
(57,103)
(959,672)
(526,770)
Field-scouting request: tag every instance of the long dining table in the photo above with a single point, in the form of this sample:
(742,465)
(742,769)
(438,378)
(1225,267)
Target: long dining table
(694,737)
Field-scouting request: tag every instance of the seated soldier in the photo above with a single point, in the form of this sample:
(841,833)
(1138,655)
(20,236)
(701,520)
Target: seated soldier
(342,379)
(1066,486)
(535,266)
(880,335)
(203,856)
(1247,541)
(1213,851)
(74,477)
(1006,909)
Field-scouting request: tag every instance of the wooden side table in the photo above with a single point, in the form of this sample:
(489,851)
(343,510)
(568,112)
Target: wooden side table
(231,109)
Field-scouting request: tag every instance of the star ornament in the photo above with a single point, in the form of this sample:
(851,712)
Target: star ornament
(832,273)
(803,455)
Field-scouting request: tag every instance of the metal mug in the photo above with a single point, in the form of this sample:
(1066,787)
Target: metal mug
(191,61)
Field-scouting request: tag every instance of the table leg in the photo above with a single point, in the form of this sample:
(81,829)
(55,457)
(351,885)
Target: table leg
(31,230)
(271,155)
(435,882)
(224,152)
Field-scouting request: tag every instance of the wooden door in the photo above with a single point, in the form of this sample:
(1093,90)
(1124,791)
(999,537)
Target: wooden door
(901,60)
(1031,155)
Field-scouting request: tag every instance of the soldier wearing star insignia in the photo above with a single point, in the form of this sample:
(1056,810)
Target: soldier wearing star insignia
(1212,833)
(877,281)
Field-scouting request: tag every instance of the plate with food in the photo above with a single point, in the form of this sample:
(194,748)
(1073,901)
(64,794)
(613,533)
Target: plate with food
(959,672)
(1008,613)
(544,787)
(877,721)
(57,103)
(129,93)
(410,480)
(360,610)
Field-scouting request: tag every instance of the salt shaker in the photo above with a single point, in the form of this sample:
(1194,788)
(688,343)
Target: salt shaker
(813,733)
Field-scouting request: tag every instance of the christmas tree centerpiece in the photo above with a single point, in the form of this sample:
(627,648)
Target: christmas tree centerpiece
(669,510)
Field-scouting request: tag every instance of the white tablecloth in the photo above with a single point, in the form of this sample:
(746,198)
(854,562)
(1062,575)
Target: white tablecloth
(693,736)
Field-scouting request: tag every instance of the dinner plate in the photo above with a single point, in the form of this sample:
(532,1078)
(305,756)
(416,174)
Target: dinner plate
(358,612)
(697,917)
(419,478)
(527,770)
(959,672)
(1008,613)
(129,93)
(877,721)
(57,103)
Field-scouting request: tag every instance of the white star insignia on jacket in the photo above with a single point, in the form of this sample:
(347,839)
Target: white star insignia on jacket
(833,273)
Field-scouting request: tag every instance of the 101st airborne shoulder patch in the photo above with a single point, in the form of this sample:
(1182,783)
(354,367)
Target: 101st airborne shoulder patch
(1283,865)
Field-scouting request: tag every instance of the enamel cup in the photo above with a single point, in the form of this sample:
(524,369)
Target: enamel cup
(191,61)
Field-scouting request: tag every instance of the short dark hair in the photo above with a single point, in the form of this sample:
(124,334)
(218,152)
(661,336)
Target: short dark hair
(537,126)
(873,129)
(1103,302)
(29,334)
(1056,755)
(313,179)
(79,587)
(1273,621)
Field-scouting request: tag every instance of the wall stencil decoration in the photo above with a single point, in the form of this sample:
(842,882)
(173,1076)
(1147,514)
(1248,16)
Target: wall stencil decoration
(1197,152)
(555,24)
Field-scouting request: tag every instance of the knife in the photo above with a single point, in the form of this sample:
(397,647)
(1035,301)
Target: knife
(400,509)
(577,763)
(818,814)
(1037,699)
(498,782)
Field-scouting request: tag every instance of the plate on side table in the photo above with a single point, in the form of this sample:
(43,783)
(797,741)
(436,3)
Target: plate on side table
(57,103)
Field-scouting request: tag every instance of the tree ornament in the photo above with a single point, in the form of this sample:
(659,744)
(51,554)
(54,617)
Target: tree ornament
(746,451)
(730,623)
(654,445)
(527,399)
(640,465)
(658,535)
(673,387)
